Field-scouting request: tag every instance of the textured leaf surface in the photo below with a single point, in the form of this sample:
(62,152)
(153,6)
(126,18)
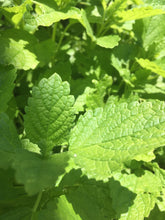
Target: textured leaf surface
(7,77)
(153,32)
(49,115)
(141,183)
(141,208)
(110,41)
(105,140)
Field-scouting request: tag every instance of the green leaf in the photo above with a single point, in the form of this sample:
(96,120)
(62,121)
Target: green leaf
(147,64)
(109,41)
(84,21)
(49,15)
(17,213)
(140,182)
(58,209)
(138,13)
(49,115)
(94,195)
(16,47)
(13,197)
(26,144)
(105,140)
(44,47)
(7,77)
(143,204)
(18,12)
(116,6)
(156,214)
(153,32)
(9,141)
(37,173)
(93,97)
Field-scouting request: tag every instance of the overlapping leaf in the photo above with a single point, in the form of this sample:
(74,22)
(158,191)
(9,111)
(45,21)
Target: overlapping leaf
(7,77)
(16,48)
(138,13)
(9,141)
(105,140)
(147,64)
(49,115)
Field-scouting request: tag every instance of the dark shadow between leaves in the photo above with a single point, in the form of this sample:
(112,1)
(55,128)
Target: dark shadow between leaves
(89,199)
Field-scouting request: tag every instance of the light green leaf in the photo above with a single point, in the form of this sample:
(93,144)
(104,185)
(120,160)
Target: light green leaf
(7,77)
(16,48)
(147,64)
(18,12)
(60,208)
(141,208)
(93,97)
(109,41)
(140,183)
(153,32)
(105,140)
(26,144)
(9,141)
(49,115)
(115,6)
(138,13)
(123,68)
(49,15)
(84,21)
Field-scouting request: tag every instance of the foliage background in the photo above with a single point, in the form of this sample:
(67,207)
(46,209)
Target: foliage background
(112,54)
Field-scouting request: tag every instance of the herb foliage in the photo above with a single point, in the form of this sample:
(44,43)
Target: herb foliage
(82,112)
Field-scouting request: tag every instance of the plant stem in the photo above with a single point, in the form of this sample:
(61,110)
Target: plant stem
(62,36)
(36,204)
(54,32)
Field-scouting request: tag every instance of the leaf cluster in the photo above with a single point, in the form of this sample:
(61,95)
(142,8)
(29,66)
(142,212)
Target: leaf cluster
(82,111)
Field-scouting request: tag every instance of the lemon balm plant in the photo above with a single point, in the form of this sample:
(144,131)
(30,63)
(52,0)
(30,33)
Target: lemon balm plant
(82,113)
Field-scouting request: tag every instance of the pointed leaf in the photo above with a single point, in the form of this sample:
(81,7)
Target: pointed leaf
(49,115)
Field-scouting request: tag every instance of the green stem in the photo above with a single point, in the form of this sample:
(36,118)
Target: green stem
(62,36)
(54,32)
(102,24)
(37,202)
